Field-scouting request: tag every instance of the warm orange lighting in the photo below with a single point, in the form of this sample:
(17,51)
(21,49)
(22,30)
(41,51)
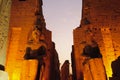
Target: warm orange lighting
(29,70)
(15,76)
(109,50)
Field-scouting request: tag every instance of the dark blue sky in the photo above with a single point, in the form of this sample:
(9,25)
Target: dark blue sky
(62,16)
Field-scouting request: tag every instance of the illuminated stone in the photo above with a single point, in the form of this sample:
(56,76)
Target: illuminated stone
(102,19)
(93,69)
(25,31)
(4,26)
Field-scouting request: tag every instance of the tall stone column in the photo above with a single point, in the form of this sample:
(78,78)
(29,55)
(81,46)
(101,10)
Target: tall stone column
(4,26)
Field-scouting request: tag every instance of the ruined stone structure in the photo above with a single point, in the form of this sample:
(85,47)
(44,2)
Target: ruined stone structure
(31,53)
(65,73)
(99,28)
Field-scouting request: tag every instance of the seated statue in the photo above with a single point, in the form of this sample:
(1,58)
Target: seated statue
(37,54)
(93,67)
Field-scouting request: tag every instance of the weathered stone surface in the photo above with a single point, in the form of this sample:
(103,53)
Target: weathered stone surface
(103,18)
(65,73)
(28,31)
(4,26)
(22,19)
(94,69)
(28,73)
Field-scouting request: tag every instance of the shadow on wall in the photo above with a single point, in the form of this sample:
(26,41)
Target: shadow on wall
(92,52)
(116,69)
(2,67)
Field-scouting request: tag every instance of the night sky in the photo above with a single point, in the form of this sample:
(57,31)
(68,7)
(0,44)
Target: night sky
(62,16)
